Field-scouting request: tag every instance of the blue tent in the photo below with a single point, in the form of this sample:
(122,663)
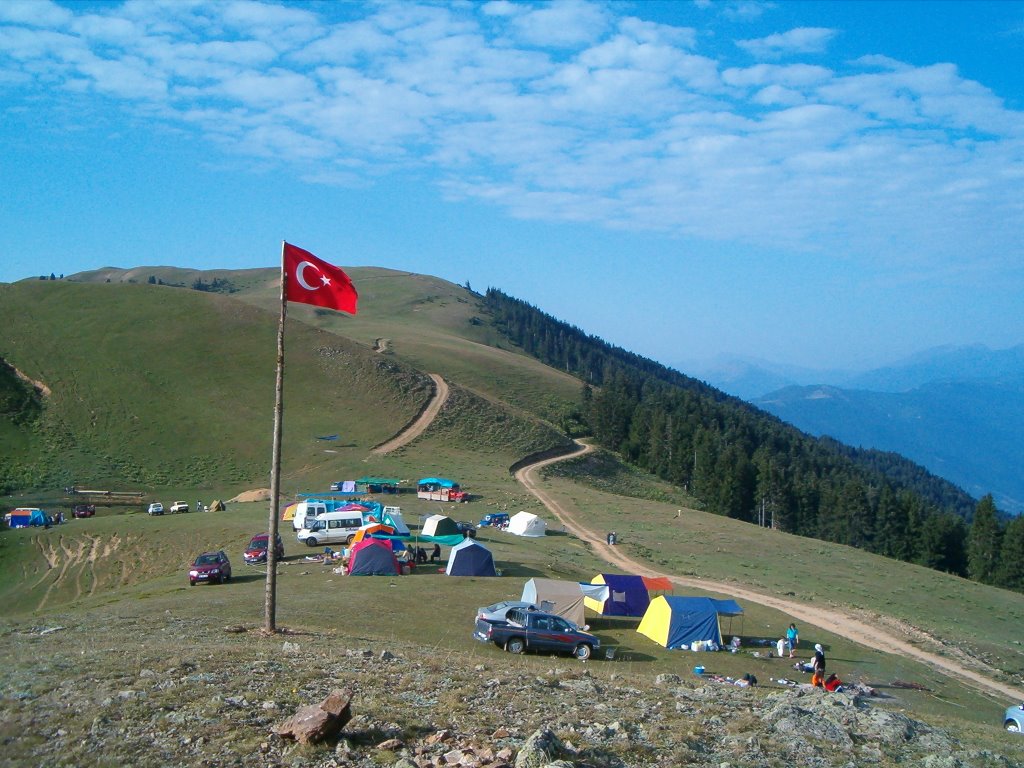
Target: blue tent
(470,559)
(627,595)
(676,622)
(26,517)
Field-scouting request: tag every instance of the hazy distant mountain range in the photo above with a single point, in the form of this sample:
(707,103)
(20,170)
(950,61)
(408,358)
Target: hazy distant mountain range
(959,411)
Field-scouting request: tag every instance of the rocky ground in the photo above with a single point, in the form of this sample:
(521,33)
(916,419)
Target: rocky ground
(161,691)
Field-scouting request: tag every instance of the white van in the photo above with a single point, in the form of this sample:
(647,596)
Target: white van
(331,528)
(308,509)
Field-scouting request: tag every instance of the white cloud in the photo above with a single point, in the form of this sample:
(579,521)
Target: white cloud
(799,40)
(560,111)
(34,13)
(796,75)
(561,23)
(746,10)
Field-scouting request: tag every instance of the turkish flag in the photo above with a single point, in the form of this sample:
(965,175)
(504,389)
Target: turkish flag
(313,281)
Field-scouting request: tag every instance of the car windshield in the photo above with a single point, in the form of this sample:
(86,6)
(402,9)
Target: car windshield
(258,544)
(207,560)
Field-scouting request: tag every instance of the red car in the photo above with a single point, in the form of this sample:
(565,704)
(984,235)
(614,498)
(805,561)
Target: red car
(256,551)
(84,510)
(210,566)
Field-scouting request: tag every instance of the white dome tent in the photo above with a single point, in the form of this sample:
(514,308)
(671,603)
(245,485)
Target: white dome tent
(526,524)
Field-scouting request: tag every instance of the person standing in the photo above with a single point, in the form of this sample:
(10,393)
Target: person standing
(792,639)
(818,666)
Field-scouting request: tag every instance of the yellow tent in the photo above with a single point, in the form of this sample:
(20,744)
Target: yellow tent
(289,511)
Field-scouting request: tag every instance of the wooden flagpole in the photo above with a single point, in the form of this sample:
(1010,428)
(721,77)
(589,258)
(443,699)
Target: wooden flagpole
(270,612)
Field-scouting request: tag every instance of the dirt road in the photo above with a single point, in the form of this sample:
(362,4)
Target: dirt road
(836,622)
(423,421)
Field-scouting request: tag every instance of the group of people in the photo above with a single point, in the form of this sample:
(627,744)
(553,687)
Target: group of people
(419,554)
(816,666)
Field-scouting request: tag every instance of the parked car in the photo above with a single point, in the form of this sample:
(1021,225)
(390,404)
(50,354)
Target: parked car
(1013,720)
(84,510)
(210,566)
(179,506)
(156,508)
(256,550)
(494,520)
(466,529)
(497,611)
(525,630)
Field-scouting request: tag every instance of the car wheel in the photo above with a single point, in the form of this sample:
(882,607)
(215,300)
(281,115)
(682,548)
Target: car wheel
(582,652)
(1012,726)
(191,583)
(310,542)
(350,539)
(515,645)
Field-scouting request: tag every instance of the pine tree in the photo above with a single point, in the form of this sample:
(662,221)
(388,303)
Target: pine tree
(984,543)
(1011,561)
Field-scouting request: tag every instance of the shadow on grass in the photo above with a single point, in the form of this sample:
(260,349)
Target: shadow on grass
(242,578)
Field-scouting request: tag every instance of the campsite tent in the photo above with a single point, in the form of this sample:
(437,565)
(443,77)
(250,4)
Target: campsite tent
(393,516)
(439,525)
(25,517)
(676,622)
(289,511)
(627,595)
(371,529)
(526,524)
(470,559)
(372,557)
(564,598)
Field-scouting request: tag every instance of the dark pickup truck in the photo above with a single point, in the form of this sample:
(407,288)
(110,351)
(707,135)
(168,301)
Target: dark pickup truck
(525,630)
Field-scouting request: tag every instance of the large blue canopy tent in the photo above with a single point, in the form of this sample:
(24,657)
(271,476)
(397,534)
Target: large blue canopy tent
(677,622)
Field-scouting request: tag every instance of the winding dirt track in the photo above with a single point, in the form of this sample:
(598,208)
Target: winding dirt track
(835,621)
(423,421)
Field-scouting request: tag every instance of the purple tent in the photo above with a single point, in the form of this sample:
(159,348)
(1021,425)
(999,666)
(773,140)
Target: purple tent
(627,595)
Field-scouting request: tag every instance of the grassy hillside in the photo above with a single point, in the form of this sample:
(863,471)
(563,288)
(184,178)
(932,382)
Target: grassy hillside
(431,324)
(153,386)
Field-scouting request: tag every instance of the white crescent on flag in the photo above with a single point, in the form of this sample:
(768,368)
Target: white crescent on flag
(302,281)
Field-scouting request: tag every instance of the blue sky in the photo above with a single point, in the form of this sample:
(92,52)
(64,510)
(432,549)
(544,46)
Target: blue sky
(819,184)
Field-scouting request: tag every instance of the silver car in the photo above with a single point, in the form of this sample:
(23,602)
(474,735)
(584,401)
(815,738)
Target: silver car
(497,611)
(1013,720)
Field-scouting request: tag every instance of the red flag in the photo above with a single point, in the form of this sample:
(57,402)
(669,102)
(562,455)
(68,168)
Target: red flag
(314,281)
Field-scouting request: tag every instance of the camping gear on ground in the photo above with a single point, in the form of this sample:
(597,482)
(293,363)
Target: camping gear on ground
(439,525)
(526,524)
(627,595)
(676,622)
(564,598)
(470,558)
(372,557)
(217,506)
